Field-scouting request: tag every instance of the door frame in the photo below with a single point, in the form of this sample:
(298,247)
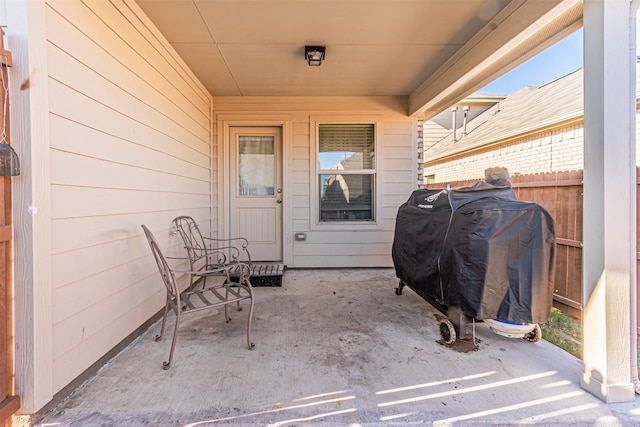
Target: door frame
(221,191)
(268,236)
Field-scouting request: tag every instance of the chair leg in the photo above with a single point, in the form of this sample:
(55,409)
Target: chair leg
(167,364)
(226,315)
(164,321)
(238,290)
(249,343)
(238,303)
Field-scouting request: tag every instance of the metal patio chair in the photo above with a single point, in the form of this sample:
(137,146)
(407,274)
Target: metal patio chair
(219,291)
(206,252)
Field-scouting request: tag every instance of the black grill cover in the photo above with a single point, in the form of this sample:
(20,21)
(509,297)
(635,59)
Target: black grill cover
(478,249)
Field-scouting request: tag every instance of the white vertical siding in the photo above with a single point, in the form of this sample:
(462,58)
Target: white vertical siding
(397,167)
(129,144)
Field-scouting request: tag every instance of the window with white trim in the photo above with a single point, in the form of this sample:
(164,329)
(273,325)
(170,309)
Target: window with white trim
(346,172)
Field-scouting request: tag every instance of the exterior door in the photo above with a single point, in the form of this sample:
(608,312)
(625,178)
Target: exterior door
(256,189)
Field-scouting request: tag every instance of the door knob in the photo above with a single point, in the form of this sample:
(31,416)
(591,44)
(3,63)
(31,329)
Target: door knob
(279,201)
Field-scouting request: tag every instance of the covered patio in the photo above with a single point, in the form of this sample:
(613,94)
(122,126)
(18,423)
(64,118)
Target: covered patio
(130,112)
(336,347)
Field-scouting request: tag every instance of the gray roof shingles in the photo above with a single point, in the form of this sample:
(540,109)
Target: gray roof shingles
(520,112)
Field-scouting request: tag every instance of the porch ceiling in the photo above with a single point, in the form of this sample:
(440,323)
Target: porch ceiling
(434,52)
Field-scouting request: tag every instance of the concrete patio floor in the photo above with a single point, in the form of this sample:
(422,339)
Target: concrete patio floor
(338,348)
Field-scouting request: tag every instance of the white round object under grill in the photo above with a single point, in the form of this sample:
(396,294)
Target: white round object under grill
(510,329)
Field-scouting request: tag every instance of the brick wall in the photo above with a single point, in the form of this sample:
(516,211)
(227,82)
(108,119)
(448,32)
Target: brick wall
(550,151)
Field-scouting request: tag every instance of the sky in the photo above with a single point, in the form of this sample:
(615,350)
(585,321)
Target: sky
(556,61)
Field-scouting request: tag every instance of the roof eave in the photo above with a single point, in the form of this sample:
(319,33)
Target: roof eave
(492,53)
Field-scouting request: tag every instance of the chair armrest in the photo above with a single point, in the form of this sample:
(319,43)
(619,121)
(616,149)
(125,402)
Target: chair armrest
(236,245)
(185,258)
(216,256)
(243,241)
(242,267)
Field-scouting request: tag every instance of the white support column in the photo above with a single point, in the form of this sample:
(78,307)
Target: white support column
(27,41)
(609,254)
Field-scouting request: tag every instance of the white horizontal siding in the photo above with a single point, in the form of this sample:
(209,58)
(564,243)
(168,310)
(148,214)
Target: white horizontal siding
(100,34)
(150,151)
(349,261)
(88,344)
(71,169)
(85,111)
(130,143)
(397,168)
(346,238)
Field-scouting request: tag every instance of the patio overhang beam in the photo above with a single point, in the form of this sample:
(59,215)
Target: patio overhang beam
(520,31)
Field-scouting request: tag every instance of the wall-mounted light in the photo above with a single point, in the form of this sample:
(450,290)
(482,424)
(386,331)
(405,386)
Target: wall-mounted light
(314,55)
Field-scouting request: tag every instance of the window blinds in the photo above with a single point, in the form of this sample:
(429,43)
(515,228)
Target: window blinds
(354,141)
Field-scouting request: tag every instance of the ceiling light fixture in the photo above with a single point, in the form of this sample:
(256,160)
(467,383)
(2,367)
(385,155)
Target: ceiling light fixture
(314,55)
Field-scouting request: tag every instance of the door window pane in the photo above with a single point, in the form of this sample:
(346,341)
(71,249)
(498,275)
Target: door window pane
(256,165)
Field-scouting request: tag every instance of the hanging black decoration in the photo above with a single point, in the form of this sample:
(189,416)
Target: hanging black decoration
(9,162)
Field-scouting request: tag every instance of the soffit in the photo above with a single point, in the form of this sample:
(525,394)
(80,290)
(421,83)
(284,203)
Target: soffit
(374,47)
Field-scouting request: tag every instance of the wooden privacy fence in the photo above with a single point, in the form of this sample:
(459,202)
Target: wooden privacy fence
(561,194)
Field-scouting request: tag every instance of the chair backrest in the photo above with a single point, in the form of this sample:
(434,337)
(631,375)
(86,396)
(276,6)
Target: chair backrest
(168,277)
(190,233)
(193,241)
(218,253)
